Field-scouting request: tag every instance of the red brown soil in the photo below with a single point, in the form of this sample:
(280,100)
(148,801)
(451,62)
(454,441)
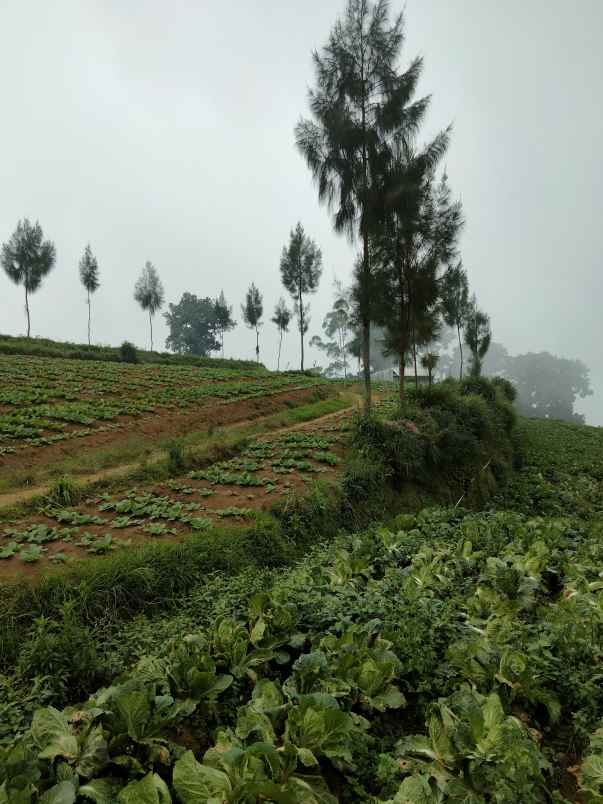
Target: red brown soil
(223,496)
(156,428)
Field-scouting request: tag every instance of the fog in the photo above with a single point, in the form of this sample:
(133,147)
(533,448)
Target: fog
(164,132)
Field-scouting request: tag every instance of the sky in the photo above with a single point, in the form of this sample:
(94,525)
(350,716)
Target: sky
(164,132)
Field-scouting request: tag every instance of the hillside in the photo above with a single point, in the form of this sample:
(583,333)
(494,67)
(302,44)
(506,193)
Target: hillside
(63,415)
(317,654)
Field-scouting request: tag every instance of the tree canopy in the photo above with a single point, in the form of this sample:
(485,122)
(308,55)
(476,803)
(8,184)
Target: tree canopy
(27,258)
(301,269)
(359,105)
(223,317)
(149,292)
(253,310)
(194,326)
(281,317)
(89,277)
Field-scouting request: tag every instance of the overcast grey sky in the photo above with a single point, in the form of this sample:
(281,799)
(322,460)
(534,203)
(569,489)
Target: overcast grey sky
(163,131)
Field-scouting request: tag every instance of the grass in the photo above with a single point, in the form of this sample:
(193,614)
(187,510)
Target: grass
(143,460)
(199,449)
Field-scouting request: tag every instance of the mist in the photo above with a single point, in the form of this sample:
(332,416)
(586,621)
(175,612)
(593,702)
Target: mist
(164,132)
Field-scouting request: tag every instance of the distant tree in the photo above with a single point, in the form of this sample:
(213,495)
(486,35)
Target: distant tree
(455,302)
(301,268)
(149,293)
(430,362)
(253,310)
(282,318)
(27,258)
(478,335)
(89,277)
(193,325)
(338,328)
(223,317)
(548,386)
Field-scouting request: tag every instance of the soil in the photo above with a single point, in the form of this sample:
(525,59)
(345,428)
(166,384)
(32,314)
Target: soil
(222,497)
(154,428)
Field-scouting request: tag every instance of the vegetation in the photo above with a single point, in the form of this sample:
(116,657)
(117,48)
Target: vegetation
(281,317)
(44,347)
(455,303)
(446,656)
(27,258)
(337,327)
(89,278)
(301,269)
(197,326)
(252,312)
(224,319)
(50,401)
(477,336)
(149,293)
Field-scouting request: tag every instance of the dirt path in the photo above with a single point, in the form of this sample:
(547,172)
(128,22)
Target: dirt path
(10,499)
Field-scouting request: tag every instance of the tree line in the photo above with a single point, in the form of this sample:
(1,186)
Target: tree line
(197,325)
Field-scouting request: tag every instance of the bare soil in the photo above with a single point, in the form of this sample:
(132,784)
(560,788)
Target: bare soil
(153,429)
(223,497)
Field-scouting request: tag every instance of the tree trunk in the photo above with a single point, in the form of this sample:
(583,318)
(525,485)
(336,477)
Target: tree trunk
(458,330)
(414,353)
(27,311)
(257,344)
(151,323)
(278,361)
(301,326)
(429,372)
(89,315)
(401,370)
(366,326)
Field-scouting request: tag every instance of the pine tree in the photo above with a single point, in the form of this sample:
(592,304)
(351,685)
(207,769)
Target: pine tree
(89,277)
(281,317)
(359,101)
(27,258)
(148,292)
(301,269)
(253,310)
(455,302)
(478,335)
(223,317)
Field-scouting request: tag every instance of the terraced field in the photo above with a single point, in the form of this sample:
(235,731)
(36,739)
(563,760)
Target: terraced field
(265,471)
(53,408)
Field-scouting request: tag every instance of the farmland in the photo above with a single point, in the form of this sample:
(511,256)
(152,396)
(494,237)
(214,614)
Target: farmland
(234,490)
(51,409)
(308,618)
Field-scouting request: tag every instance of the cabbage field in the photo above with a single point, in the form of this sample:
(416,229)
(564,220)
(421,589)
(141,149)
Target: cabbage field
(443,655)
(45,401)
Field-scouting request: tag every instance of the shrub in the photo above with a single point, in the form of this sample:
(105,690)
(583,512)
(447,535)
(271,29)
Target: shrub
(63,651)
(175,456)
(506,387)
(128,353)
(478,386)
(63,492)
(401,451)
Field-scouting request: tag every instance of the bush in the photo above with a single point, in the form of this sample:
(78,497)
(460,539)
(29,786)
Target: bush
(128,353)
(175,456)
(63,652)
(506,387)
(63,492)
(478,386)
(401,451)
